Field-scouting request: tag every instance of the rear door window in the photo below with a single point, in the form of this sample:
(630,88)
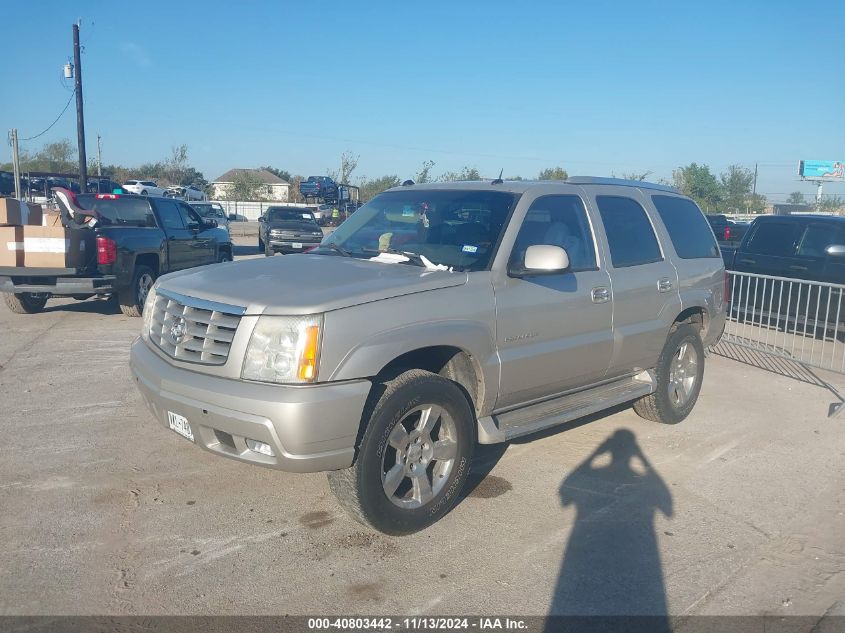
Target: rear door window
(690,233)
(774,238)
(630,235)
(123,211)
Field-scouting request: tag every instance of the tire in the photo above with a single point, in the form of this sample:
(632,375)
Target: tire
(417,500)
(224,256)
(268,250)
(260,243)
(143,192)
(132,299)
(26,302)
(678,377)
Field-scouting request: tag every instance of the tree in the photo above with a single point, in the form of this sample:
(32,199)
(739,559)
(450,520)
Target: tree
(348,163)
(832,204)
(756,203)
(293,191)
(371,188)
(553,173)
(736,188)
(699,183)
(796,197)
(245,186)
(467,173)
(424,174)
(636,175)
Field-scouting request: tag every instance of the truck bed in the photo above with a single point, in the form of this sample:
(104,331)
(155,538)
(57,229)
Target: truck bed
(56,281)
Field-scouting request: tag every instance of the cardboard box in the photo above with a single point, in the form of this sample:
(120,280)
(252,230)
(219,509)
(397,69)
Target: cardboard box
(57,247)
(51,219)
(11,246)
(36,213)
(16,213)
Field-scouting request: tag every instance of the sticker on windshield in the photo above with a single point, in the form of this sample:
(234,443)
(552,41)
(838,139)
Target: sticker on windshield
(408,211)
(469,249)
(306,216)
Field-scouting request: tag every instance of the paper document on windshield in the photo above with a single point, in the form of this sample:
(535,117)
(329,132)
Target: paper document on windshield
(397,258)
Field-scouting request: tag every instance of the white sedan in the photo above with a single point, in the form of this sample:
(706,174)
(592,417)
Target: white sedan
(144,187)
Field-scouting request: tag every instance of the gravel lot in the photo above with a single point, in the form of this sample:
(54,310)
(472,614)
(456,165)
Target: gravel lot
(739,510)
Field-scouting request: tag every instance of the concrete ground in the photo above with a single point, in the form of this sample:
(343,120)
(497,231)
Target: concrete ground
(738,510)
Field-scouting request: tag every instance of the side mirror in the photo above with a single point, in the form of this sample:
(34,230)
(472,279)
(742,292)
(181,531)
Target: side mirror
(210,223)
(835,250)
(541,259)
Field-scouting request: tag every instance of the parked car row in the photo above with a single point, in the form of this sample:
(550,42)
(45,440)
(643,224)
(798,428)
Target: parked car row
(727,231)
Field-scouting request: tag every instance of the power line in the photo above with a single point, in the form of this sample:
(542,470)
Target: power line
(31,138)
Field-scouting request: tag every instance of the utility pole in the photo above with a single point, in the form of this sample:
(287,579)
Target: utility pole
(99,157)
(754,190)
(16,162)
(80,117)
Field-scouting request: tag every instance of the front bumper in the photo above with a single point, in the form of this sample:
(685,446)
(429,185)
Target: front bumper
(286,245)
(310,428)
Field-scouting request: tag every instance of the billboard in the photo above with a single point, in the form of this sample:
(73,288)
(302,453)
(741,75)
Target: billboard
(822,169)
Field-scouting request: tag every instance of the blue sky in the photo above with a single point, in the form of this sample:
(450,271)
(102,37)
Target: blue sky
(598,88)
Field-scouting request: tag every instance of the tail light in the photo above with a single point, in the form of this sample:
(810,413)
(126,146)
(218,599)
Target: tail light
(106,250)
(727,234)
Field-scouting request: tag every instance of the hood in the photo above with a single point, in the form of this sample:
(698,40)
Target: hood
(293,225)
(305,284)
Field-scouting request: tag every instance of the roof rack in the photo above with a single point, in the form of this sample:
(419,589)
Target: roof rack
(595,180)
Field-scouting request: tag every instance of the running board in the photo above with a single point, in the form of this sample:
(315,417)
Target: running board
(501,427)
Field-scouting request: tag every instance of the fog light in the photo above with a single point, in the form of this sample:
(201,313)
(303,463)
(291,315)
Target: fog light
(259,447)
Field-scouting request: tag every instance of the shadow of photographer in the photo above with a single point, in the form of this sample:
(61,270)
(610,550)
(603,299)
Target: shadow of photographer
(612,566)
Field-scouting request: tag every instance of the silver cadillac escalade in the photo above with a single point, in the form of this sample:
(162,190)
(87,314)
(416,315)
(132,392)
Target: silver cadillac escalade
(436,317)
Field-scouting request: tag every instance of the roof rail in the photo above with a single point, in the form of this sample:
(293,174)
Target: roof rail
(595,180)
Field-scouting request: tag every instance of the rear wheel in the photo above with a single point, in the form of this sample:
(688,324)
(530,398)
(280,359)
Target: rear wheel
(260,243)
(678,377)
(26,302)
(414,456)
(224,256)
(143,192)
(132,299)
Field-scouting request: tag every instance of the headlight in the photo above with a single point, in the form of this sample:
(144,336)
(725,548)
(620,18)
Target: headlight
(148,312)
(284,349)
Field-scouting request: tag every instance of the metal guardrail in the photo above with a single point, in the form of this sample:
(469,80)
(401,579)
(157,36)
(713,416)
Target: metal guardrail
(796,319)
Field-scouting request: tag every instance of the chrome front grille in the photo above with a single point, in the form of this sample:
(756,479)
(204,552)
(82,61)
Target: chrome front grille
(192,329)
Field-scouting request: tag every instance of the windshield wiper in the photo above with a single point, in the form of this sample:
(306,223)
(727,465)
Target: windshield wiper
(337,249)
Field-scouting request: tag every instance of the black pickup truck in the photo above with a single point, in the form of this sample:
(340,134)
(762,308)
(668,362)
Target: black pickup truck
(810,247)
(138,238)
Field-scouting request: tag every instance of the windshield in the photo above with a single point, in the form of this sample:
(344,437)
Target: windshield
(459,229)
(296,215)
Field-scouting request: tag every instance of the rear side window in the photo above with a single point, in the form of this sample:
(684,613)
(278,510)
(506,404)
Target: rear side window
(123,211)
(774,238)
(690,233)
(630,237)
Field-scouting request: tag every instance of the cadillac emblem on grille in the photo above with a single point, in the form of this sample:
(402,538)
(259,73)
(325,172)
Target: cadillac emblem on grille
(178,330)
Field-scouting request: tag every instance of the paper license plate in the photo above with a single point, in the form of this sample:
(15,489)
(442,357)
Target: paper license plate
(297,244)
(180,424)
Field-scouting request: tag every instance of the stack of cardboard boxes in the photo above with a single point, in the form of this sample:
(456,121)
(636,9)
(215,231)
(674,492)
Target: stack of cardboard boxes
(30,237)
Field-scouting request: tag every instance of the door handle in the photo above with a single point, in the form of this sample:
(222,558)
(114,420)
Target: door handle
(800,269)
(747,261)
(600,294)
(664,285)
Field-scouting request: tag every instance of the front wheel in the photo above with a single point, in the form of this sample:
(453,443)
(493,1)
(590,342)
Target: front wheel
(224,256)
(143,192)
(132,299)
(678,377)
(26,302)
(414,456)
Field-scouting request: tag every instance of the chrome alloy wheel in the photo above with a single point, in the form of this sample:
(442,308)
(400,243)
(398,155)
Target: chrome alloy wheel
(683,372)
(419,457)
(145,282)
